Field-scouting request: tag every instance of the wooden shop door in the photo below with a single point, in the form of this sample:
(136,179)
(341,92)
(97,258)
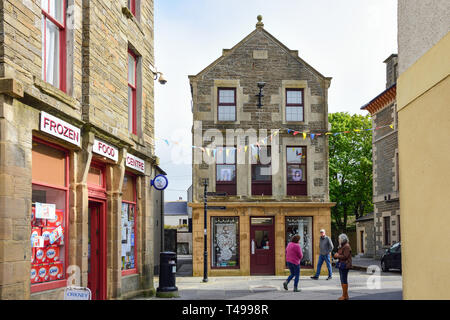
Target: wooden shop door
(262,246)
(97,250)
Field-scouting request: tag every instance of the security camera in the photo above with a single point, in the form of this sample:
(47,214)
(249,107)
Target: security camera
(261,85)
(161,79)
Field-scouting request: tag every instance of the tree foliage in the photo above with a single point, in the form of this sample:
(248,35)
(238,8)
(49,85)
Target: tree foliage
(350,167)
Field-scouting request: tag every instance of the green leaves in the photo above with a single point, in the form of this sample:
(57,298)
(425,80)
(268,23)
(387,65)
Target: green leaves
(350,166)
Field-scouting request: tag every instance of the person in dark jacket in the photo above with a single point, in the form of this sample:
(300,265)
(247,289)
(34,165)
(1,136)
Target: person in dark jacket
(344,255)
(326,246)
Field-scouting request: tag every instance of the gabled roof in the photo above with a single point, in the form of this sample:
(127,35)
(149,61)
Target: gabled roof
(367,217)
(227,52)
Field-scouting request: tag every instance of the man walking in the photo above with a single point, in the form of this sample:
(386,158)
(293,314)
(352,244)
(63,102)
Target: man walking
(326,246)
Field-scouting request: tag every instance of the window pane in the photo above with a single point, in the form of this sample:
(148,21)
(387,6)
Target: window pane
(226,96)
(48,165)
(261,221)
(303,227)
(95,177)
(44,5)
(225,243)
(226,173)
(128,236)
(57,10)
(262,173)
(227,113)
(131,70)
(262,239)
(225,155)
(295,155)
(296,173)
(52,52)
(261,155)
(48,255)
(130,108)
(128,188)
(294,113)
(294,97)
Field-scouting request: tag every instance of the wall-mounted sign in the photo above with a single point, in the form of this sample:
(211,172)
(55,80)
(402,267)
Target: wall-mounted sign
(160,182)
(135,163)
(106,150)
(60,129)
(45,210)
(77,293)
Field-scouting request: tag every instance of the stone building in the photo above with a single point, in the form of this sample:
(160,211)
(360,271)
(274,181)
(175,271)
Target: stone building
(383,109)
(270,160)
(365,236)
(423,95)
(76,148)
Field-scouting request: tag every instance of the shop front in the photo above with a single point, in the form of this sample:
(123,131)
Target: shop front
(250,238)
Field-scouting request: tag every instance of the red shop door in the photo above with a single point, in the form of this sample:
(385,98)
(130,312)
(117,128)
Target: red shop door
(96,268)
(262,246)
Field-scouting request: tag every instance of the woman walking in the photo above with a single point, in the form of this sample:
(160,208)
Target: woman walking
(344,255)
(294,255)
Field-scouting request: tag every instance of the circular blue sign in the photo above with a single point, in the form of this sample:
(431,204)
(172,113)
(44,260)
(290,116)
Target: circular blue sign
(160,182)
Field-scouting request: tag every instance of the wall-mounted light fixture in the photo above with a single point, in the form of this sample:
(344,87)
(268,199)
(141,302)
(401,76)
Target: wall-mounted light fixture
(260,95)
(157,75)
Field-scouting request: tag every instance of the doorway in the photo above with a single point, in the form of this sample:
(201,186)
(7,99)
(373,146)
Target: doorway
(361,237)
(97,249)
(262,246)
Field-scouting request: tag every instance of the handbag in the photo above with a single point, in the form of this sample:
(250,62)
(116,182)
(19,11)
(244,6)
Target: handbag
(341,265)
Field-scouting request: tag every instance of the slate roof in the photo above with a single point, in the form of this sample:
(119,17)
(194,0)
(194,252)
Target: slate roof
(175,208)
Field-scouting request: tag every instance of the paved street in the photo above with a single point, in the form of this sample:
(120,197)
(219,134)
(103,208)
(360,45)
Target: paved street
(270,288)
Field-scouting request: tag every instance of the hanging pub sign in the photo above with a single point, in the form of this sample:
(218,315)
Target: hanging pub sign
(60,129)
(160,182)
(135,163)
(106,150)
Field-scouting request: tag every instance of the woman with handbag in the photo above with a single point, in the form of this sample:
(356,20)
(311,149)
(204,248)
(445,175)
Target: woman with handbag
(294,255)
(344,264)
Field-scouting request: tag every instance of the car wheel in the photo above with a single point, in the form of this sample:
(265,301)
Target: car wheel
(384,267)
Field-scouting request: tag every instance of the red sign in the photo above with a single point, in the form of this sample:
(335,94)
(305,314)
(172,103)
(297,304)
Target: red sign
(61,129)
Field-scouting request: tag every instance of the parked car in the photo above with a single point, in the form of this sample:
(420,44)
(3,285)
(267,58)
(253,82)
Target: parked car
(392,258)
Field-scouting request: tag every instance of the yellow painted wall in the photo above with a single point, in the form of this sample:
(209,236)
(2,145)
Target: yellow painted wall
(423,96)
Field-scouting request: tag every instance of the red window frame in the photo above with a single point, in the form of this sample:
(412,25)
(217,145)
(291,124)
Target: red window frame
(261,187)
(133,203)
(38,287)
(238,243)
(132,6)
(62,45)
(290,105)
(226,186)
(227,104)
(96,190)
(133,94)
(293,186)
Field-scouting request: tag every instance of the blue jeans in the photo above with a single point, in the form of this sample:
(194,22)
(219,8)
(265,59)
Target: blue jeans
(295,272)
(323,258)
(343,273)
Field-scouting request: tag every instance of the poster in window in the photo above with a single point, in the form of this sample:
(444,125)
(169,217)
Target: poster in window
(225,250)
(226,174)
(297,174)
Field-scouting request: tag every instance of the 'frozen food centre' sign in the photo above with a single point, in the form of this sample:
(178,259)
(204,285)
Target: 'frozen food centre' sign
(135,163)
(60,129)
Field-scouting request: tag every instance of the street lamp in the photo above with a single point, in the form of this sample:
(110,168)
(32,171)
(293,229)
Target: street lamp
(260,95)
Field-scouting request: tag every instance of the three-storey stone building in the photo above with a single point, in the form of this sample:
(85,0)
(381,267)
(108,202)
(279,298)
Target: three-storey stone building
(260,118)
(76,148)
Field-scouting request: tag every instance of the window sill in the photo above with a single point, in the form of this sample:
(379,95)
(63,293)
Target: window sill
(131,16)
(40,287)
(55,93)
(129,272)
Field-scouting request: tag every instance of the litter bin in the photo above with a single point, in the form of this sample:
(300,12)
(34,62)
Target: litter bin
(167,272)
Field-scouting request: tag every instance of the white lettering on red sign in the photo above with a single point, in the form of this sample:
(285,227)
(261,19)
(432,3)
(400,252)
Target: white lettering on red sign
(105,150)
(135,163)
(61,129)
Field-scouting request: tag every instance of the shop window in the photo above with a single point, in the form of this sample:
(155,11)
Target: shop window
(261,171)
(296,170)
(54,42)
(294,105)
(128,222)
(49,221)
(303,227)
(226,105)
(226,170)
(225,242)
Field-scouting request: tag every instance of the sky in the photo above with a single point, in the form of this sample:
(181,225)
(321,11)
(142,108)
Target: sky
(347,40)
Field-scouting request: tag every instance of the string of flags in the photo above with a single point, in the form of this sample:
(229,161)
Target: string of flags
(256,146)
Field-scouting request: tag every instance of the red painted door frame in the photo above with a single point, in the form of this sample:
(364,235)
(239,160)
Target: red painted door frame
(98,221)
(262,261)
